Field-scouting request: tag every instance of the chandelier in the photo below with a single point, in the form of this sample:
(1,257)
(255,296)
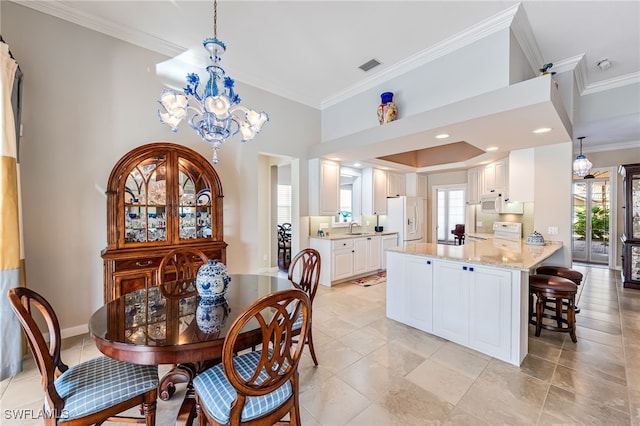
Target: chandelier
(216,113)
(581,165)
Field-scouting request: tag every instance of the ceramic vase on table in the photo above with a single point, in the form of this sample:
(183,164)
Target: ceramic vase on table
(212,280)
(387,110)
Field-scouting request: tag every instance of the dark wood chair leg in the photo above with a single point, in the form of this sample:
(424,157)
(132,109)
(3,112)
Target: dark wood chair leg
(539,310)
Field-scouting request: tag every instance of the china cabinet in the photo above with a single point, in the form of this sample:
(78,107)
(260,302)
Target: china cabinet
(160,196)
(631,236)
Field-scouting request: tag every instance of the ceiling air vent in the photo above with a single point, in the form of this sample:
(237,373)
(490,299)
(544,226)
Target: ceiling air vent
(369,64)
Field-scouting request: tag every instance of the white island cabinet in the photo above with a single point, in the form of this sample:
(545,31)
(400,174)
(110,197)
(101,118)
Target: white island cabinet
(410,290)
(474,295)
(474,306)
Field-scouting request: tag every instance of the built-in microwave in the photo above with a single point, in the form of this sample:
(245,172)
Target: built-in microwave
(494,202)
(491,203)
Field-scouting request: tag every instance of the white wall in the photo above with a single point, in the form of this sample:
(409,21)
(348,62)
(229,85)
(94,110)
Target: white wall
(478,68)
(553,197)
(89,99)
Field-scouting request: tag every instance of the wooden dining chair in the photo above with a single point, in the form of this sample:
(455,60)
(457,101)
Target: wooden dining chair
(304,273)
(178,270)
(258,387)
(91,392)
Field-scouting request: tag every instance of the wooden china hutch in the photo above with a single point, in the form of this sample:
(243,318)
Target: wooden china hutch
(631,236)
(160,196)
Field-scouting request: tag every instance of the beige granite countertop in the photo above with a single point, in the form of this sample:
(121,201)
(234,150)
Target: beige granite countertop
(491,252)
(343,236)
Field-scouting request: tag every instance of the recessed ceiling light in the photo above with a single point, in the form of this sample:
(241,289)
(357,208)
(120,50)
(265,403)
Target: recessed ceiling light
(492,148)
(542,130)
(442,136)
(356,164)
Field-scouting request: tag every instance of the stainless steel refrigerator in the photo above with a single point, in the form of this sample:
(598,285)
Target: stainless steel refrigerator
(405,215)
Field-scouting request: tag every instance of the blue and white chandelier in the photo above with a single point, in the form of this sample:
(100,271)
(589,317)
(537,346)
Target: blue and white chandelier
(216,113)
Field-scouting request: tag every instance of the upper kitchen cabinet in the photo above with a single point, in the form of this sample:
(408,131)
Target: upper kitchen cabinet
(374,191)
(396,185)
(631,237)
(160,196)
(324,187)
(475,184)
(496,177)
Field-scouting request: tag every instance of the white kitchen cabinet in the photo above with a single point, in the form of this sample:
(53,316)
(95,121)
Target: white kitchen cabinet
(374,251)
(360,256)
(451,297)
(324,187)
(472,306)
(374,191)
(422,188)
(410,290)
(346,258)
(419,292)
(396,185)
(496,177)
(388,241)
(475,184)
(342,259)
(521,174)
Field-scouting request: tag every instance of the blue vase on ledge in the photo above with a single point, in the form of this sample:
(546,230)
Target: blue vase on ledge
(387,110)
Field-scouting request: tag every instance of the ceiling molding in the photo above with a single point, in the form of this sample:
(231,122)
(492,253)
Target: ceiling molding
(92,22)
(524,35)
(601,86)
(611,146)
(472,34)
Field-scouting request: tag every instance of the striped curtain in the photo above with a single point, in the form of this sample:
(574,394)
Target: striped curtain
(11,260)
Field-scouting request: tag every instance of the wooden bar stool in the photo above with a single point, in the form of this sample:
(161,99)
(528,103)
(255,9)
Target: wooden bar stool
(564,291)
(561,271)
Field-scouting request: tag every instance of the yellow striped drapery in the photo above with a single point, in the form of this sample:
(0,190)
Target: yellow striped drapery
(10,247)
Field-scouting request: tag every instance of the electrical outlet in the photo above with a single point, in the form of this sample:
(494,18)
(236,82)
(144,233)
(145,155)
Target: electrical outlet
(366,223)
(553,230)
(324,226)
(479,223)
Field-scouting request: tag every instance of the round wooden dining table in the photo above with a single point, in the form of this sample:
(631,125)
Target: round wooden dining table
(159,325)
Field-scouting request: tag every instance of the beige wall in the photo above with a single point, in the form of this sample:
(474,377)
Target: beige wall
(89,99)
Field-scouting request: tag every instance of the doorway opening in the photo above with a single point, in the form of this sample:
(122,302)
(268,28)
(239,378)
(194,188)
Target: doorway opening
(591,242)
(451,207)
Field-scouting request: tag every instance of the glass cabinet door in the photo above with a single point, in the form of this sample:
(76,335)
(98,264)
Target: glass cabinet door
(194,211)
(634,206)
(145,201)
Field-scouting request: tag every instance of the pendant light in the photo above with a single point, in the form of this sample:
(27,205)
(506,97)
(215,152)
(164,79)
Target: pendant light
(581,165)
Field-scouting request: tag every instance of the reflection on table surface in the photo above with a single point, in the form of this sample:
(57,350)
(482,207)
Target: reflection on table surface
(153,317)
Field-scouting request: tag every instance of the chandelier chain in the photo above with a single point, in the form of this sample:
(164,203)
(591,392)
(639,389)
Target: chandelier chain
(215,19)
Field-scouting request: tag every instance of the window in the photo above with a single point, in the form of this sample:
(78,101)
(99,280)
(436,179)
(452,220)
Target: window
(284,204)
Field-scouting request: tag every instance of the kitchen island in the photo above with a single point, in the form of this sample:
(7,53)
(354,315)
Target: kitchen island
(475,295)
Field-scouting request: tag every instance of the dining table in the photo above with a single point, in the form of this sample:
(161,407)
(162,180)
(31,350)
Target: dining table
(170,324)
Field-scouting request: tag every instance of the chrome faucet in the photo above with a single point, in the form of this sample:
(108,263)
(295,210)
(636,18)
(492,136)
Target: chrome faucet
(351,225)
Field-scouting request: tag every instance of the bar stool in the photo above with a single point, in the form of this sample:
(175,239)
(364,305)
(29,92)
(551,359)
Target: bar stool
(561,271)
(564,291)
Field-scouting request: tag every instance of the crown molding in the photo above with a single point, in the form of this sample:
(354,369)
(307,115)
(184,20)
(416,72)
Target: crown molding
(472,34)
(92,22)
(523,33)
(601,86)
(611,146)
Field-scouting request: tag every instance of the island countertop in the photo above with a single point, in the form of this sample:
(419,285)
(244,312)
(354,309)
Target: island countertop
(502,252)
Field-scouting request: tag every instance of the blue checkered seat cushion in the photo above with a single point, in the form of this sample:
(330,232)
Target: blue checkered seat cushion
(102,382)
(298,324)
(216,393)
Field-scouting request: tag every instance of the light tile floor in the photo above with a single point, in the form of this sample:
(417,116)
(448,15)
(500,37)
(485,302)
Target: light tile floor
(375,371)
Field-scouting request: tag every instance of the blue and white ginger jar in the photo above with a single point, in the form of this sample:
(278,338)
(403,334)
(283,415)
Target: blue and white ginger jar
(212,280)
